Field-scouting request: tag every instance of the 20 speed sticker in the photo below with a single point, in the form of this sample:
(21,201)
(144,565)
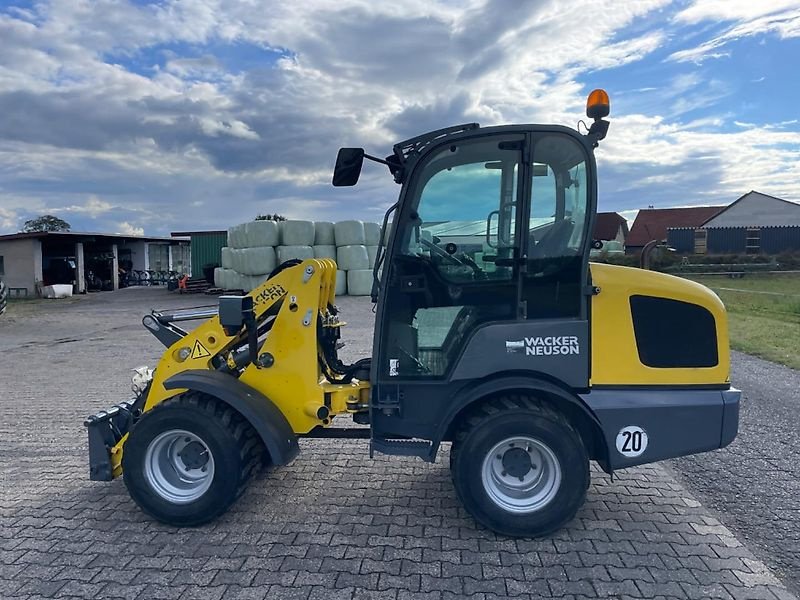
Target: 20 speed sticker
(631,441)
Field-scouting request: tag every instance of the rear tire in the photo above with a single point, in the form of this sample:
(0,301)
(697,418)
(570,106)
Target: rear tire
(3,297)
(189,458)
(519,467)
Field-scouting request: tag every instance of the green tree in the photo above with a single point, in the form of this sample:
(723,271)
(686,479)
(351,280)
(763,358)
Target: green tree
(45,223)
(268,217)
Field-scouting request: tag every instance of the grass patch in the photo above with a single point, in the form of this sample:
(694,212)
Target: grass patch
(763,314)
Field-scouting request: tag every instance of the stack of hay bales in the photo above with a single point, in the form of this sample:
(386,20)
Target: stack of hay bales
(353,255)
(256,248)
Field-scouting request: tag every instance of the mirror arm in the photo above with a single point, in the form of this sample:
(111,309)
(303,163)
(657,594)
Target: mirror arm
(377,160)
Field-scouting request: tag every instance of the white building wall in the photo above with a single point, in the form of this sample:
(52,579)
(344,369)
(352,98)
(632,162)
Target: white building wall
(138,250)
(757,210)
(22,263)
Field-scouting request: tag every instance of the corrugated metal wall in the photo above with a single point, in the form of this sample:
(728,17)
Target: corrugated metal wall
(727,240)
(207,249)
(733,240)
(682,239)
(775,240)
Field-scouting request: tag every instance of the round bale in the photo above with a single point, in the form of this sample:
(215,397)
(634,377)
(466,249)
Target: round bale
(297,233)
(262,233)
(349,233)
(352,258)
(325,251)
(323,234)
(290,252)
(359,282)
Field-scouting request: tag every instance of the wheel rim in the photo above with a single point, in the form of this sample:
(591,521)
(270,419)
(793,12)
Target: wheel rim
(521,474)
(179,466)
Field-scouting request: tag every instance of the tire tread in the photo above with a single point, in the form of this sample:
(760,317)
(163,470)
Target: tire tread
(492,407)
(250,448)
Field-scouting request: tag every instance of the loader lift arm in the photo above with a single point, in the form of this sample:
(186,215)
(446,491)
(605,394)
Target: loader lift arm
(294,330)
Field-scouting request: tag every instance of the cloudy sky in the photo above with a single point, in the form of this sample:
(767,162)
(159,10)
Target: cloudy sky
(134,116)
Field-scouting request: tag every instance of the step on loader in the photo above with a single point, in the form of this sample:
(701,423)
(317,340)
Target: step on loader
(493,333)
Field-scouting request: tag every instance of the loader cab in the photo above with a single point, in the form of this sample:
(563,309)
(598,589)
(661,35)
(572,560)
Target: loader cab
(485,271)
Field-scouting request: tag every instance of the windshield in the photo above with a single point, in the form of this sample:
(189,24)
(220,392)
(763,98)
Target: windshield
(467,206)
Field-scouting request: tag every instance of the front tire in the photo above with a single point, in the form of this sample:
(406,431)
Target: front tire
(189,458)
(519,467)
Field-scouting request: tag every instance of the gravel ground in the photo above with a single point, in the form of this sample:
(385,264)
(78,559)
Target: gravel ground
(334,524)
(756,489)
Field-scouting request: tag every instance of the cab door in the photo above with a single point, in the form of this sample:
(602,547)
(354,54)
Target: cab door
(482,277)
(453,266)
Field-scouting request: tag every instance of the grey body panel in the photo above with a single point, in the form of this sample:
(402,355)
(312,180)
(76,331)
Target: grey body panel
(556,348)
(503,383)
(678,422)
(260,412)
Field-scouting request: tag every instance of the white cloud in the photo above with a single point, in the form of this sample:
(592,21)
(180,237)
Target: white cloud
(8,220)
(126,228)
(94,207)
(113,111)
(780,17)
(732,10)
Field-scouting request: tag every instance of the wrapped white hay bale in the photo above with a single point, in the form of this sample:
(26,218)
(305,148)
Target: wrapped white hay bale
(223,278)
(256,261)
(387,233)
(237,236)
(297,233)
(325,252)
(323,234)
(349,233)
(57,291)
(226,258)
(262,233)
(237,281)
(372,252)
(352,258)
(359,282)
(253,281)
(341,283)
(289,252)
(235,259)
(372,234)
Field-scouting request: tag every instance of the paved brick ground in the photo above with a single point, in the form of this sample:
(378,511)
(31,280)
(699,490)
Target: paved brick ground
(334,524)
(759,494)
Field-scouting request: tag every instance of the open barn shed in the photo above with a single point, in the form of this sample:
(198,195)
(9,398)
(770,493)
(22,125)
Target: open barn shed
(30,261)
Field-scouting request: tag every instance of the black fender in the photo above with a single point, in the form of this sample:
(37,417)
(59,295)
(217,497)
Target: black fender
(513,382)
(260,411)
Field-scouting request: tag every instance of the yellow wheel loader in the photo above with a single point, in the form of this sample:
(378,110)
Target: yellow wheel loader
(493,333)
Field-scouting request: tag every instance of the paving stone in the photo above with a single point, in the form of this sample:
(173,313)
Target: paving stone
(334,524)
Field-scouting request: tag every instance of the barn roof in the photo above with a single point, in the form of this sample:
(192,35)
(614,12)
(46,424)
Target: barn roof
(607,225)
(652,223)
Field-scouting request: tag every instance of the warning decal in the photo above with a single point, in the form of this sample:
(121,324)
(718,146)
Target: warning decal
(199,351)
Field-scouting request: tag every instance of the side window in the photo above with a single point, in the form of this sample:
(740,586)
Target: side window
(466,212)
(556,231)
(559,198)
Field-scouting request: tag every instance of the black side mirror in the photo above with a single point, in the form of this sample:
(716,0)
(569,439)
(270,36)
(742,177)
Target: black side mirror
(348,166)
